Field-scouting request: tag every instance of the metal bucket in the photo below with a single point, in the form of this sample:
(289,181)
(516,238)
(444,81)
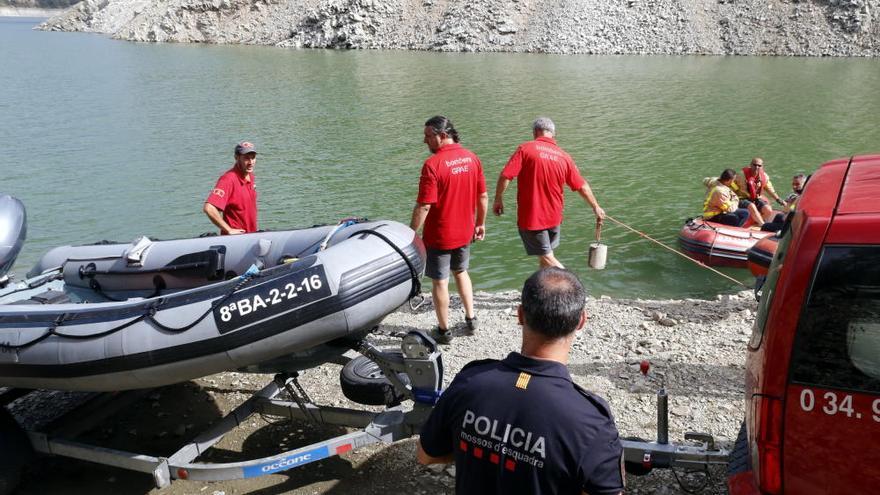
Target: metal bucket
(598,255)
(598,251)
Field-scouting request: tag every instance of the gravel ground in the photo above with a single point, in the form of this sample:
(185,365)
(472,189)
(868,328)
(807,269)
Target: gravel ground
(696,348)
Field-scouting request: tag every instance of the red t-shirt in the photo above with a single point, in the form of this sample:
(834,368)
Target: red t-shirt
(542,169)
(451,182)
(237,198)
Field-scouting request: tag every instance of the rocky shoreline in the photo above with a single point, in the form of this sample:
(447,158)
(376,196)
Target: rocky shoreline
(668,27)
(696,347)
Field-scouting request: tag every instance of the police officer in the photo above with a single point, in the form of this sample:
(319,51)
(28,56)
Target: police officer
(521,425)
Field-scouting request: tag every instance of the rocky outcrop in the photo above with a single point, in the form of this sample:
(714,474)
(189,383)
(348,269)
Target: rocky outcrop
(353,24)
(740,27)
(96,16)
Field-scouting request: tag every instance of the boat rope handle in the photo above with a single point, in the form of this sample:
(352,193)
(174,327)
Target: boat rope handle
(315,247)
(416,283)
(158,286)
(345,222)
(700,263)
(598,230)
(712,247)
(148,315)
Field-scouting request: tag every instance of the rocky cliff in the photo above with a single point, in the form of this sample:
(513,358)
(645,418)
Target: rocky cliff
(741,27)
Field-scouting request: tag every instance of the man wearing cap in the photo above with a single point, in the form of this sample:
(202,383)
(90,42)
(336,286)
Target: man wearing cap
(232,205)
(542,169)
(521,425)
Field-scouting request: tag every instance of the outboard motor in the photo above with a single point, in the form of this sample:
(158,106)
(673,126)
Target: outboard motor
(13,230)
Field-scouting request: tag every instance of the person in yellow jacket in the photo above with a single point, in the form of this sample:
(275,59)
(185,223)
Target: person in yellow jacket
(722,202)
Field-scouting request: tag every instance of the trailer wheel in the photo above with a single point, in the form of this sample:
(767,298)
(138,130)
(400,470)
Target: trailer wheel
(364,382)
(15,452)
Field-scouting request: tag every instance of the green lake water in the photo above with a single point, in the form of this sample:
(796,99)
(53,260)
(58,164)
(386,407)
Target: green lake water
(106,139)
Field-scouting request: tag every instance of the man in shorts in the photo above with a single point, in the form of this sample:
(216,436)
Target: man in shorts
(752,184)
(451,205)
(542,168)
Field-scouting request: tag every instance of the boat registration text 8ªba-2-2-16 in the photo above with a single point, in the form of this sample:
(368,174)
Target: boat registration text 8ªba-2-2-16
(270,298)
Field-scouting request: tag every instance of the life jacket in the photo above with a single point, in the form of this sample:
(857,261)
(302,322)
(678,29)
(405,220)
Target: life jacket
(710,210)
(754,182)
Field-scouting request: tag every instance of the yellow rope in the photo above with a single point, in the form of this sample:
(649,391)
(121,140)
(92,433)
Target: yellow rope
(700,263)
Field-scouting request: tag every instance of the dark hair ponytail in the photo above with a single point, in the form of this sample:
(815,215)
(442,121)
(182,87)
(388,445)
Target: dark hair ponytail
(441,124)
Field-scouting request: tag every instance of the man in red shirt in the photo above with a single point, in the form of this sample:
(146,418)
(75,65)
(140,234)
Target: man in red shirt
(542,168)
(452,190)
(232,205)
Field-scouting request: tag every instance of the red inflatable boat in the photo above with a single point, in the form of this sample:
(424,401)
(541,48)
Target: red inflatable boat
(717,244)
(761,254)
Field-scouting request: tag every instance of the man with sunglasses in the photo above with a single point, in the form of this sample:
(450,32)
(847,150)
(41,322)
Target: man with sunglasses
(751,186)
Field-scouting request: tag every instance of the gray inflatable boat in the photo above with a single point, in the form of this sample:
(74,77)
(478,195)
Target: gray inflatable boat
(118,316)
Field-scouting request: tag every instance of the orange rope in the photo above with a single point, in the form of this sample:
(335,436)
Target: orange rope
(700,263)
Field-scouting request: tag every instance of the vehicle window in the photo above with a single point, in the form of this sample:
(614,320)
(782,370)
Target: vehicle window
(768,290)
(838,337)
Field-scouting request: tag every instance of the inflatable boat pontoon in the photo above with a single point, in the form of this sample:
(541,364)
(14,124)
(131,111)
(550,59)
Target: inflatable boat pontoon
(717,244)
(149,313)
(761,254)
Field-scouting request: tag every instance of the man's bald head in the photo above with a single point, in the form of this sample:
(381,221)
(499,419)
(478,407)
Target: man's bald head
(553,302)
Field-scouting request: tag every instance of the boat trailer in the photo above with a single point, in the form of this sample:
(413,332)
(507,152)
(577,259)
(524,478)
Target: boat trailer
(420,362)
(640,457)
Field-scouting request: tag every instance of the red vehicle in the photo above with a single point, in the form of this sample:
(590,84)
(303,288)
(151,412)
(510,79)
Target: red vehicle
(812,384)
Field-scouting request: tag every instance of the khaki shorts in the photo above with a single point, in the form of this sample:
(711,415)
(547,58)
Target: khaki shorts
(441,261)
(540,242)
